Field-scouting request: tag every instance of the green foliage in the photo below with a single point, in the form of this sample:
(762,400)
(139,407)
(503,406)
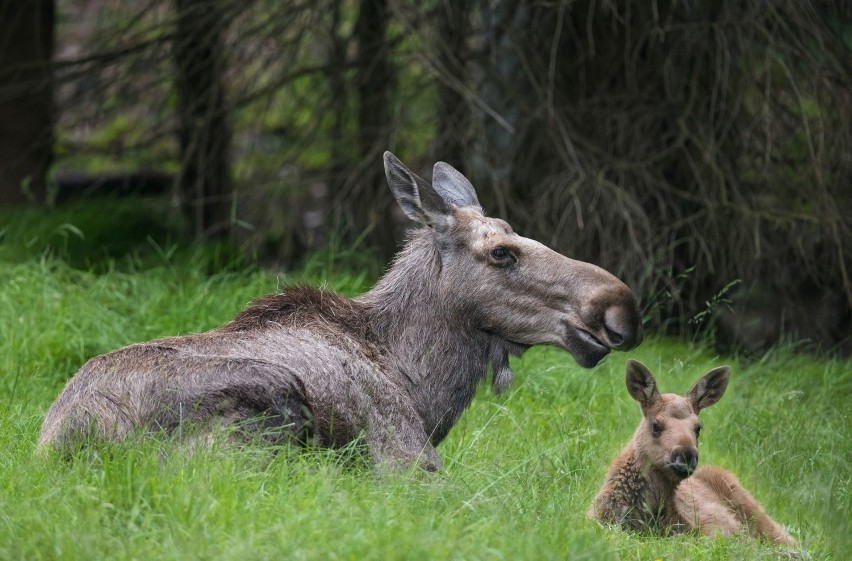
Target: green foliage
(86,233)
(520,470)
(127,234)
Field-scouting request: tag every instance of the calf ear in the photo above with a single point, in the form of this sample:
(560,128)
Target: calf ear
(709,388)
(418,200)
(640,383)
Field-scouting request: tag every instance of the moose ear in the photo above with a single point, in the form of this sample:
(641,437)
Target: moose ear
(709,388)
(418,200)
(640,383)
(454,187)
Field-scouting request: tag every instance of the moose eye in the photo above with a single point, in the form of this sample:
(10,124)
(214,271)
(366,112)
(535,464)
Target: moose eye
(501,255)
(656,429)
(499,252)
(697,431)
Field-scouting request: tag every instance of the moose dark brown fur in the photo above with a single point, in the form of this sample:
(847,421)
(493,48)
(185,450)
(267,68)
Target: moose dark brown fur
(395,366)
(649,487)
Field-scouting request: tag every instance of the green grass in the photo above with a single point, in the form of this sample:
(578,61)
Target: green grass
(520,470)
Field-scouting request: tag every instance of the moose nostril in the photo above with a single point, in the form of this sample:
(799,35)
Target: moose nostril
(614,337)
(622,328)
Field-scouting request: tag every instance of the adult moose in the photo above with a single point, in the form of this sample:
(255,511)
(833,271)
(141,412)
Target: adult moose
(396,366)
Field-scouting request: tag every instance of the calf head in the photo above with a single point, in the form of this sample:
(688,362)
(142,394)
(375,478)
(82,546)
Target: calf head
(511,286)
(667,437)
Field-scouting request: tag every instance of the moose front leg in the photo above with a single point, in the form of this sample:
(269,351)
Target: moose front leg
(399,442)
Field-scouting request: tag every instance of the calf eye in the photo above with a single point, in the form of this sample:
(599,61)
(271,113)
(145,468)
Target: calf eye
(697,431)
(656,429)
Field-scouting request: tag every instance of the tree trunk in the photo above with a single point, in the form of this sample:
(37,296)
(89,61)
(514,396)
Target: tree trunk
(373,86)
(205,189)
(451,136)
(26,100)
(501,74)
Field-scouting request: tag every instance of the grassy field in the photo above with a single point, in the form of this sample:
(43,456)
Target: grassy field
(521,469)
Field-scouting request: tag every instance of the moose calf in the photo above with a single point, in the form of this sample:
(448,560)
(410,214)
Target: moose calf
(394,367)
(649,487)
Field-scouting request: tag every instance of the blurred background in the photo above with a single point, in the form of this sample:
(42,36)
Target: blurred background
(701,150)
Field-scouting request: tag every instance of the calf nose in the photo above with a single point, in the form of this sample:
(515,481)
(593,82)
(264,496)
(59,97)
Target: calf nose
(623,326)
(684,460)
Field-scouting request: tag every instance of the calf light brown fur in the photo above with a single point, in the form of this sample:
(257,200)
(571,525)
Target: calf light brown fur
(653,485)
(393,368)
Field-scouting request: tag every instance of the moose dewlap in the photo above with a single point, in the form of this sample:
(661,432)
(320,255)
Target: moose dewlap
(394,367)
(653,485)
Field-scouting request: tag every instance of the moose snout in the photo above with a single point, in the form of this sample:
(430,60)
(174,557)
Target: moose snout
(683,461)
(623,326)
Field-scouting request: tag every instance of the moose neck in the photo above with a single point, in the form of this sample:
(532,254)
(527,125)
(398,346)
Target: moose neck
(439,355)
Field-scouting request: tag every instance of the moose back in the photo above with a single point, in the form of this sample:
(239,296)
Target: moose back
(395,366)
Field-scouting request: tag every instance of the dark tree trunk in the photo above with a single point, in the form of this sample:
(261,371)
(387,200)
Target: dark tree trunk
(26,100)
(500,76)
(338,92)
(205,188)
(373,85)
(451,137)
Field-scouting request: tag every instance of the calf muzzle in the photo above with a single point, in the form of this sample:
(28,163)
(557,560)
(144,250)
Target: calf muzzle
(683,461)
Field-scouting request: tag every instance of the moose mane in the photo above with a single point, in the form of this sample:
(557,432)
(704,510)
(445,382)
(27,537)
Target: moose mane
(299,305)
(306,306)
